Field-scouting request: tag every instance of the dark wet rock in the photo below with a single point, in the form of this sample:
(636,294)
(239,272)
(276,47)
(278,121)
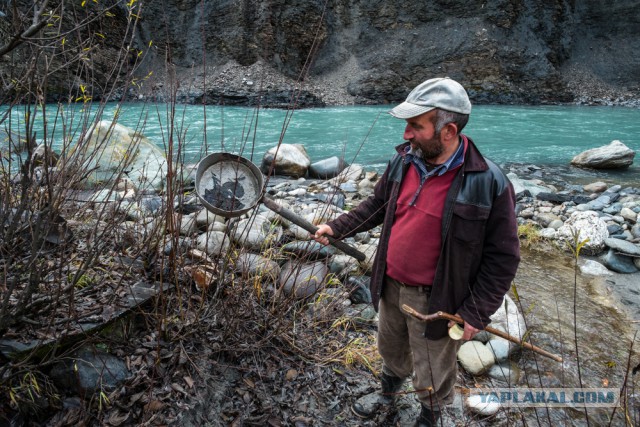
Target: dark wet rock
(614,229)
(553,197)
(89,372)
(327,168)
(614,209)
(619,263)
(309,249)
(358,288)
(623,246)
(612,195)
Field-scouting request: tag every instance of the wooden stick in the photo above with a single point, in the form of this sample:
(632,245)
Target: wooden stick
(446,316)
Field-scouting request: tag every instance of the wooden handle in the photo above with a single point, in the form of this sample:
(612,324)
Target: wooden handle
(285,213)
(441,315)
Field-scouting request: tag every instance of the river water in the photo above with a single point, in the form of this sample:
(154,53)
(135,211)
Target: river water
(605,328)
(548,136)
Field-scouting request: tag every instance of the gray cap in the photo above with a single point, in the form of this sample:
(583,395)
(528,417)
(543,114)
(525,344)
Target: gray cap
(441,92)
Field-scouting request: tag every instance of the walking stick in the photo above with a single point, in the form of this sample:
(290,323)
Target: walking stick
(440,315)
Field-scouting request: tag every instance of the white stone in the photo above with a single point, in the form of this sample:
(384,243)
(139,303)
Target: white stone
(475,357)
(481,405)
(500,348)
(593,268)
(629,215)
(350,173)
(587,226)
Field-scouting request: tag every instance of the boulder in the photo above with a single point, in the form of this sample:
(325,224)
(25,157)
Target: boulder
(327,168)
(253,265)
(616,155)
(584,225)
(302,280)
(256,233)
(619,263)
(289,159)
(90,371)
(213,242)
(111,150)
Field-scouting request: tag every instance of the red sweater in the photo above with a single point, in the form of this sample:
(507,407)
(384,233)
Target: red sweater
(414,245)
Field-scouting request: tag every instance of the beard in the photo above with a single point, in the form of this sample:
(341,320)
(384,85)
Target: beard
(430,149)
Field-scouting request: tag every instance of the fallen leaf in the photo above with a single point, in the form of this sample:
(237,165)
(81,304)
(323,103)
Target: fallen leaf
(189,381)
(291,375)
(178,387)
(153,406)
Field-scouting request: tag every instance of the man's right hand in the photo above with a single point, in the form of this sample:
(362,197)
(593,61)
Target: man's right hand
(320,234)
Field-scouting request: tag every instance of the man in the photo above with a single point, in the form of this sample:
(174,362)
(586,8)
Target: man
(448,243)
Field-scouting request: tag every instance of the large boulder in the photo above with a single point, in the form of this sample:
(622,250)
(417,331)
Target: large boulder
(616,155)
(288,159)
(111,151)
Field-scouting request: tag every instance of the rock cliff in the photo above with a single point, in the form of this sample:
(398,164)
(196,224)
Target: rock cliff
(318,52)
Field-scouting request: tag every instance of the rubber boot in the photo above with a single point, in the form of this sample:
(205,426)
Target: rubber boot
(368,405)
(427,418)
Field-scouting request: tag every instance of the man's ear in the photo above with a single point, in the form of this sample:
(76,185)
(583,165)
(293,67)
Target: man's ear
(449,131)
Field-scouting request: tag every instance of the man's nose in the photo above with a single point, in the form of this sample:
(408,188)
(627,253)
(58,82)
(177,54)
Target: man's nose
(408,133)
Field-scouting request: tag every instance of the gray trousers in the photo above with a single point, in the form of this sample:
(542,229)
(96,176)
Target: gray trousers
(406,351)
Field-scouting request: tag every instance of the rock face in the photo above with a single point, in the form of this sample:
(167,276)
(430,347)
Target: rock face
(616,155)
(373,51)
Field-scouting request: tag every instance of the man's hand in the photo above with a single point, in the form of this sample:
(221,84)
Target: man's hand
(320,234)
(469,331)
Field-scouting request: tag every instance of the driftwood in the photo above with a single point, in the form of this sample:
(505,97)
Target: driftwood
(440,315)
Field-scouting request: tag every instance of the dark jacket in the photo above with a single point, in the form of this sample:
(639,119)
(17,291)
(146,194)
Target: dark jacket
(480,248)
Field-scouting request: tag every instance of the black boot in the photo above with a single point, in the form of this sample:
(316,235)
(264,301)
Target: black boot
(427,418)
(368,405)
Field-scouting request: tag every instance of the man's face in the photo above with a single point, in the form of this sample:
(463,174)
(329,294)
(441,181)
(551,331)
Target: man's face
(421,134)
